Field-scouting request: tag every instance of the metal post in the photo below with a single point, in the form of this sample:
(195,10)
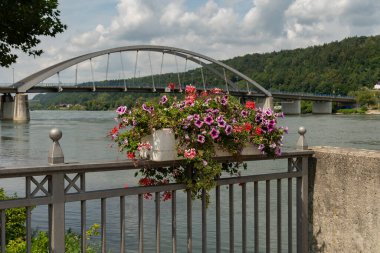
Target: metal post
(58,213)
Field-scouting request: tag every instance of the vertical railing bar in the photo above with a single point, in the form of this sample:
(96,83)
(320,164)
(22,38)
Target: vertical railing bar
(204,222)
(267,215)
(174,222)
(50,215)
(279,239)
(231,218)
(256,216)
(3,238)
(104,224)
(28,229)
(305,201)
(141,223)
(299,214)
(218,239)
(290,209)
(189,223)
(158,236)
(244,217)
(189,206)
(122,224)
(28,224)
(83,213)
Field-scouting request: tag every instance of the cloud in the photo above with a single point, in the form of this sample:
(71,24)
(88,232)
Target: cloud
(217,28)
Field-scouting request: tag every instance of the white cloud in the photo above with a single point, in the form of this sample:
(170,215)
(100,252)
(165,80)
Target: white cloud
(217,28)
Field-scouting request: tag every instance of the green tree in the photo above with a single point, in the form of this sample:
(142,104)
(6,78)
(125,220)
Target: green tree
(22,22)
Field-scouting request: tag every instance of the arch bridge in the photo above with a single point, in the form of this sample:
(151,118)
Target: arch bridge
(17,109)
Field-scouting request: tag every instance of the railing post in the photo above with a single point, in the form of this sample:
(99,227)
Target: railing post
(55,153)
(302,192)
(57,190)
(301,143)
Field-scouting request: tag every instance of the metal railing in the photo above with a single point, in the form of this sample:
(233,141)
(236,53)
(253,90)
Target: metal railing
(58,184)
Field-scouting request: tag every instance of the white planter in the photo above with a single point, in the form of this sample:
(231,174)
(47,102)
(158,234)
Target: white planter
(251,149)
(164,146)
(220,152)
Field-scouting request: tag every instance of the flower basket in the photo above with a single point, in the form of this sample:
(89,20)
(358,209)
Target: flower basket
(163,145)
(251,149)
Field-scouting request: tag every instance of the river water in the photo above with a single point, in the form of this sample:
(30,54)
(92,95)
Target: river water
(85,140)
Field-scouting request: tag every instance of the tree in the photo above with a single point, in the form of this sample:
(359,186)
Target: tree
(22,22)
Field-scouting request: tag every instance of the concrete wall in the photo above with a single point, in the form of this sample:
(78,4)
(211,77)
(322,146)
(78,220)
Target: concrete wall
(322,107)
(344,200)
(291,107)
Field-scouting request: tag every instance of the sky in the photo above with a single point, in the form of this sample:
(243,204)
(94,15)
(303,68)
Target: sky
(220,29)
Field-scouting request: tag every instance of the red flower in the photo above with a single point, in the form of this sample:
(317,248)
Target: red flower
(258,131)
(171,86)
(115,130)
(216,90)
(250,105)
(130,155)
(166,196)
(237,129)
(204,93)
(248,127)
(190,89)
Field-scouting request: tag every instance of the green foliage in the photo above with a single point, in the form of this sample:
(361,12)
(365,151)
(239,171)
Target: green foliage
(15,219)
(306,107)
(333,68)
(366,97)
(40,242)
(352,111)
(22,22)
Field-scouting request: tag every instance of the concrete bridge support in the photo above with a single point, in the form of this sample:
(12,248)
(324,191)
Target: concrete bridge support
(265,103)
(322,107)
(21,108)
(291,107)
(16,108)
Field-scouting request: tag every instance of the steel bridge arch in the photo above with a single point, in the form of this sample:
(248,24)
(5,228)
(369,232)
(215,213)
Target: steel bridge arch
(28,82)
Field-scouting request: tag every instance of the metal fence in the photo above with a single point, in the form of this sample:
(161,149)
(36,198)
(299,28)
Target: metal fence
(56,185)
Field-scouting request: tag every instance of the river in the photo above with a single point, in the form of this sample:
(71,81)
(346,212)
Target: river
(85,140)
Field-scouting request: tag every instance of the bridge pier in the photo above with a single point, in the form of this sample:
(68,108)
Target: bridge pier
(14,108)
(291,107)
(322,107)
(265,103)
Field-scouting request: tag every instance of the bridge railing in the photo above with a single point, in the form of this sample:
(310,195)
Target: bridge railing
(255,212)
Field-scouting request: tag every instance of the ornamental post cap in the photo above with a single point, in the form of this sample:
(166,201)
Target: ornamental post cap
(302,130)
(55,134)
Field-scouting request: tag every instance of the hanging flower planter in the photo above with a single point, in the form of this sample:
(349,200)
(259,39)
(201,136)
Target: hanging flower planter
(197,129)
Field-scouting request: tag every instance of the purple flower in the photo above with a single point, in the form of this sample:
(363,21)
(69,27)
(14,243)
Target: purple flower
(219,118)
(261,147)
(214,133)
(121,110)
(164,99)
(198,123)
(222,123)
(201,138)
(244,113)
(215,111)
(190,117)
(134,123)
(268,112)
(277,151)
(273,145)
(145,108)
(224,101)
(228,129)
(208,120)
(196,117)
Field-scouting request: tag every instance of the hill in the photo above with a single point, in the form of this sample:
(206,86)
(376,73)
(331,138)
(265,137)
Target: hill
(337,67)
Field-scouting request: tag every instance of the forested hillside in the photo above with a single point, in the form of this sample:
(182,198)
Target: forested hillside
(336,67)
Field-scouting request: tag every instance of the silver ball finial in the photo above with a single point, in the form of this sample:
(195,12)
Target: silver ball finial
(55,134)
(302,130)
